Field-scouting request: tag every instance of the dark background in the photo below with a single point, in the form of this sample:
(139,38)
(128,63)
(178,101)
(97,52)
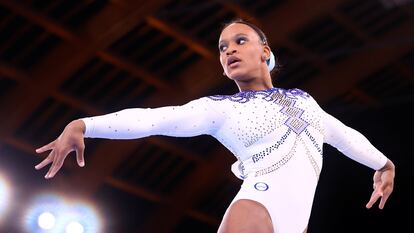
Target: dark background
(63,59)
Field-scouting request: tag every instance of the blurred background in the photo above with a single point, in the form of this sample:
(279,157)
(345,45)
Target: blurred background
(64,59)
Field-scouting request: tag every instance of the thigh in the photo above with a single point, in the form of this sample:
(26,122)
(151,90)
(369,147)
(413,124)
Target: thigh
(246,216)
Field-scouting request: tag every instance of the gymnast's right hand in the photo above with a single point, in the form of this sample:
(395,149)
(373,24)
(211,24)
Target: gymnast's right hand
(71,139)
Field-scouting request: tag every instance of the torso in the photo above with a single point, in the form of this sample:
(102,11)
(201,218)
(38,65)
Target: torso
(269,123)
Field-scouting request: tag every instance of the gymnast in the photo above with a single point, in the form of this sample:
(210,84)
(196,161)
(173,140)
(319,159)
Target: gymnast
(276,135)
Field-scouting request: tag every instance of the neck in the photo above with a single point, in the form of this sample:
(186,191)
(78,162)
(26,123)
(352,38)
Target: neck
(255,84)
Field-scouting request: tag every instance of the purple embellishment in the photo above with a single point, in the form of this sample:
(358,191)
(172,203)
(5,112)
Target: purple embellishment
(245,96)
(283,97)
(262,154)
(294,122)
(314,142)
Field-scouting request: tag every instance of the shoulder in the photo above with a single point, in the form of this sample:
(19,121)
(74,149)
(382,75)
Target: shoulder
(297,93)
(240,97)
(294,93)
(208,103)
(301,97)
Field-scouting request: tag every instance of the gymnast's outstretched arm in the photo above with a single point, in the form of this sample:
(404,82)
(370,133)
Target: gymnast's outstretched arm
(194,118)
(357,147)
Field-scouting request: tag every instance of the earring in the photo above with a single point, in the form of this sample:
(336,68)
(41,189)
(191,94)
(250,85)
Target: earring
(224,73)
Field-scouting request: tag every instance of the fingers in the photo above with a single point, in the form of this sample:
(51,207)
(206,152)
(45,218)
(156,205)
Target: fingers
(387,192)
(56,165)
(57,157)
(383,192)
(45,148)
(374,197)
(45,162)
(383,200)
(79,157)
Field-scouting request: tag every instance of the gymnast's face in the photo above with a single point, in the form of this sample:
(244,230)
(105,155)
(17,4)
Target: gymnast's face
(242,53)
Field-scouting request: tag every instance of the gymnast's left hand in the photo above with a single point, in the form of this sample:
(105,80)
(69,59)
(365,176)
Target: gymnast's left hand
(383,185)
(71,139)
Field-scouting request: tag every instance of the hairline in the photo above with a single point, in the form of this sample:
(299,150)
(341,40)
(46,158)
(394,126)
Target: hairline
(259,32)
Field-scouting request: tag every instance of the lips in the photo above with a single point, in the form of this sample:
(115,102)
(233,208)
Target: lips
(232,60)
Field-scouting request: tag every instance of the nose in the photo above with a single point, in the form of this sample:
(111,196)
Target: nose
(231,51)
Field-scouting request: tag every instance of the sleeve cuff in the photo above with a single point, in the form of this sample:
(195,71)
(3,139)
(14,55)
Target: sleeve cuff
(89,126)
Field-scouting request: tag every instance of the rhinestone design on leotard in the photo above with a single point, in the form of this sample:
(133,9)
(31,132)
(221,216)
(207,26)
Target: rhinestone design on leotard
(267,151)
(295,122)
(279,163)
(311,159)
(315,144)
(268,95)
(282,97)
(242,170)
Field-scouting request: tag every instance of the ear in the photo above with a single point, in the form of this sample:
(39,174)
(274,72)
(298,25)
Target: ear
(266,52)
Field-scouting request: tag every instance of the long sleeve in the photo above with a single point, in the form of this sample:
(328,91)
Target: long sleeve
(352,143)
(197,117)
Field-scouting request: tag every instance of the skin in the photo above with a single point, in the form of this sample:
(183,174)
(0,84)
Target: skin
(243,42)
(250,73)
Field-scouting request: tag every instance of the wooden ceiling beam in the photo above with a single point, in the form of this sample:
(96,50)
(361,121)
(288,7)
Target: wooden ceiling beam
(159,199)
(365,98)
(189,193)
(291,16)
(301,51)
(44,21)
(135,71)
(338,79)
(137,191)
(240,11)
(51,72)
(350,26)
(26,148)
(23,79)
(406,71)
(180,36)
(90,183)
(12,72)
(95,41)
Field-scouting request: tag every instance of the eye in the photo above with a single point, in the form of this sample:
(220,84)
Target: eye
(241,40)
(222,47)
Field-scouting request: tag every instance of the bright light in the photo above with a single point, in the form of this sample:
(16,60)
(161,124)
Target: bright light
(53,214)
(81,218)
(44,214)
(4,197)
(46,221)
(74,227)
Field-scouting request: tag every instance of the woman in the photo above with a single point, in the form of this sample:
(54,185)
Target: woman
(276,135)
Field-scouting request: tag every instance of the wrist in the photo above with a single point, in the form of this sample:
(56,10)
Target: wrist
(78,126)
(389,165)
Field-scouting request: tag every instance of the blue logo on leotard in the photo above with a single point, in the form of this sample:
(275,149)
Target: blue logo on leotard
(261,186)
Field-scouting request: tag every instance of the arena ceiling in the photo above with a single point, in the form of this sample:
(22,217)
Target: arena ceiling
(63,59)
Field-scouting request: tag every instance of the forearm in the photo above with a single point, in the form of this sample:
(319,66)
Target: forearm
(353,144)
(125,124)
(192,119)
(360,149)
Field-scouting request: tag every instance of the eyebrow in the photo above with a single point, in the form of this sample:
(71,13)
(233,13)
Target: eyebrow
(237,35)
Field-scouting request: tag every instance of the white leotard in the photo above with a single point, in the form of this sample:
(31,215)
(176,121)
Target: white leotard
(275,134)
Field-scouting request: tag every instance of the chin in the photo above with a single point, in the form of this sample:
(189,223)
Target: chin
(238,76)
